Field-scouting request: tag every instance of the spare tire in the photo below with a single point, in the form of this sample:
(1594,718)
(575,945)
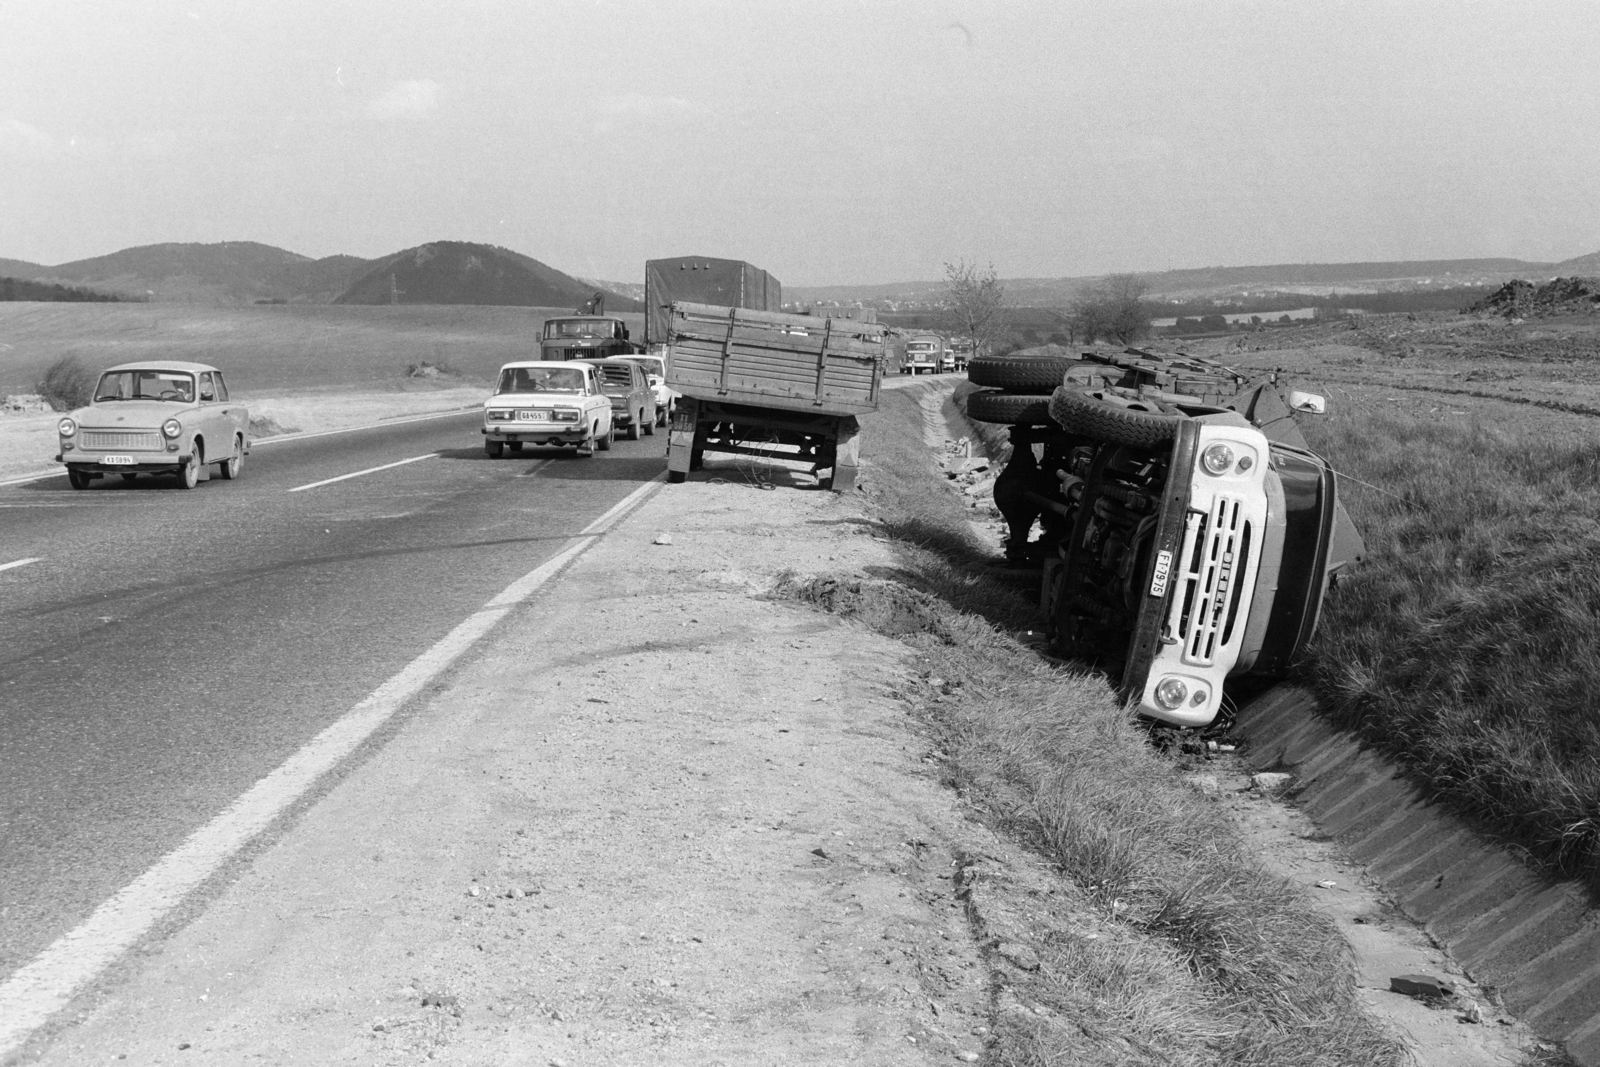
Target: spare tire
(1092,414)
(1011,409)
(1021,374)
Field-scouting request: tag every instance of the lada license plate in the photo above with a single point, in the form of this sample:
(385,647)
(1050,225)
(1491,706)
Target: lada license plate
(534,416)
(117,461)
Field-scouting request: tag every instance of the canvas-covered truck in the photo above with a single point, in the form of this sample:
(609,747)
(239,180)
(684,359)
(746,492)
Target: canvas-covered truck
(765,383)
(1189,536)
(702,280)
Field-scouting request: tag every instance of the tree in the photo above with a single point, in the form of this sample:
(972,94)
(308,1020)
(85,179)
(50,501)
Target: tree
(1112,308)
(974,304)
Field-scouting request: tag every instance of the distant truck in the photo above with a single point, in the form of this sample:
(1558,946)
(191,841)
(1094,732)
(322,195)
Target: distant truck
(924,354)
(585,337)
(764,383)
(728,283)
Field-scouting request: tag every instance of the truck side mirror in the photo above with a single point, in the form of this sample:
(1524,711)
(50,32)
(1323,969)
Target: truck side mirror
(1310,403)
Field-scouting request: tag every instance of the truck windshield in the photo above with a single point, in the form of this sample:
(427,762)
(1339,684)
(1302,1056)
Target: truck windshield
(919,346)
(540,380)
(578,328)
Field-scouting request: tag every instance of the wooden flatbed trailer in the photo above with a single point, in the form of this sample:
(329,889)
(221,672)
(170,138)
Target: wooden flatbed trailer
(764,383)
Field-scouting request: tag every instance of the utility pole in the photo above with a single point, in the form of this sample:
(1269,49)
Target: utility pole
(395,292)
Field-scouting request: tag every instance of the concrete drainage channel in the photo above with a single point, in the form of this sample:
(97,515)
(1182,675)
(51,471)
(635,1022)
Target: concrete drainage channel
(1535,941)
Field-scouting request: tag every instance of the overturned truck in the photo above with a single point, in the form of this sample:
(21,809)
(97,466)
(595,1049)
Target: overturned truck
(1188,534)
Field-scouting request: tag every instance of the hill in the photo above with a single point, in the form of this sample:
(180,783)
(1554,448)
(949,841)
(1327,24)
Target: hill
(227,272)
(460,272)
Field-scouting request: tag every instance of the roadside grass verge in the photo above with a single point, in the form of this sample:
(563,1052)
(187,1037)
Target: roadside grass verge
(1155,938)
(1468,645)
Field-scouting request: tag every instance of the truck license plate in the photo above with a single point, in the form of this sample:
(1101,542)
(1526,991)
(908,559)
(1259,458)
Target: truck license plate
(117,461)
(1158,584)
(533,416)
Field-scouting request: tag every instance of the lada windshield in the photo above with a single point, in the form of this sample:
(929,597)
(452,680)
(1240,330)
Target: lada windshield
(578,328)
(540,380)
(143,384)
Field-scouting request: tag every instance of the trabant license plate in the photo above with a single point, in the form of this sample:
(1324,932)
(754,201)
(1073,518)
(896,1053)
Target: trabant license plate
(534,416)
(117,461)
(1158,584)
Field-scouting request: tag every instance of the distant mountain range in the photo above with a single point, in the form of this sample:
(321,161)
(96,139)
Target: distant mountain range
(460,272)
(1310,279)
(242,272)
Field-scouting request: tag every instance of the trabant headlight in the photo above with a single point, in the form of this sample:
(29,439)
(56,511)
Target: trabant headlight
(172,428)
(1171,693)
(1217,459)
(66,427)
(565,415)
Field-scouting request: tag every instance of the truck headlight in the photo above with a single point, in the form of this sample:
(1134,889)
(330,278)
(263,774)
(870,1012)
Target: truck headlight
(1217,459)
(172,428)
(1171,693)
(66,427)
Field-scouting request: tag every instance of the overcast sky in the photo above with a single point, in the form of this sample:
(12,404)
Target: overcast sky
(829,141)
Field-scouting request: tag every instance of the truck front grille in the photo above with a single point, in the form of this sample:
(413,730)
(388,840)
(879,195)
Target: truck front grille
(1209,579)
(121,440)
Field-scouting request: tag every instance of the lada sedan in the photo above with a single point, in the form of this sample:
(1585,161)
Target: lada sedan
(164,417)
(538,402)
(633,402)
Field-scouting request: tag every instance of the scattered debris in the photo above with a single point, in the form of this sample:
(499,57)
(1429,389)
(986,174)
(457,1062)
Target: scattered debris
(1421,985)
(662,538)
(1270,782)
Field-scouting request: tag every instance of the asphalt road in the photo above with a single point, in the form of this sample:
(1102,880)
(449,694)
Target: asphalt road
(166,649)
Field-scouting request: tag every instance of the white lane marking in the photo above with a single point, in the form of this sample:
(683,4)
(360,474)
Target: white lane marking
(282,437)
(47,983)
(357,474)
(279,439)
(20,562)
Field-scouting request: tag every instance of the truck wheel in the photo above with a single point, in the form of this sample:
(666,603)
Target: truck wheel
(1021,374)
(676,477)
(1118,421)
(1011,409)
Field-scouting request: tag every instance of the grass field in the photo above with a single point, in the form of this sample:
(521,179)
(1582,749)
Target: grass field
(1468,646)
(273,350)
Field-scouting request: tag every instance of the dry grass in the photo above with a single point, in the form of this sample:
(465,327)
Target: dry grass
(1157,939)
(1468,646)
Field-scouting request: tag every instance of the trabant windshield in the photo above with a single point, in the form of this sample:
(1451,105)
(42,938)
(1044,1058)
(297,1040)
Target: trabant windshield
(540,380)
(141,384)
(578,328)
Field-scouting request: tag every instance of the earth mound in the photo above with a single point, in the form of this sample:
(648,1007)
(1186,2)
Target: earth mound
(1560,296)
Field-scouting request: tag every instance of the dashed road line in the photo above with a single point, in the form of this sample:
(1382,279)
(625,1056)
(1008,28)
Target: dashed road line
(20,562)
(47,983)
(369,470)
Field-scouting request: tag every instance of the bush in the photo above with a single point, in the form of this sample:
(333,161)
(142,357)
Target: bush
(66,384)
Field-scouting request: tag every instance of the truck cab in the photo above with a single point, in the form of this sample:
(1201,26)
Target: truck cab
(924,354)
(585,337)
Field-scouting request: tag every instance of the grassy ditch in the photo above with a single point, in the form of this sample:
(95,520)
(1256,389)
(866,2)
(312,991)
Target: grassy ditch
(1146,934)
(1468,646)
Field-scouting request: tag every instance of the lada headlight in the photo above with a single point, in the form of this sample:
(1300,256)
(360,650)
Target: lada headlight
(566,415)
(66,427)
(1217,459)
(172,428)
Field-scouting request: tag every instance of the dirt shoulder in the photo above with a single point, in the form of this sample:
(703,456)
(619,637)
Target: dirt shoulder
(660,819)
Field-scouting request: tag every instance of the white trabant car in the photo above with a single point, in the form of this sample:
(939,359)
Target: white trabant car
(160,417)
(547,403)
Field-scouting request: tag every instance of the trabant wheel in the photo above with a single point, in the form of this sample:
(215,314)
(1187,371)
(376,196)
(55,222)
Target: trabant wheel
(189,473)
(515,446)
(494,448)
(633,427)
(604,443)
(77,479)
(233,465)
(128,476)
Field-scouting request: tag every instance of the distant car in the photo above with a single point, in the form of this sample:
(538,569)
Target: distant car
(156,417)
(539,402)
(655,372)
(633,402)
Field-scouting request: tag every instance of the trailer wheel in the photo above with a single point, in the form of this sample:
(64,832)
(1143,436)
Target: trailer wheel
(1036,375)
(676,477)
(1112,418)
(1010,409)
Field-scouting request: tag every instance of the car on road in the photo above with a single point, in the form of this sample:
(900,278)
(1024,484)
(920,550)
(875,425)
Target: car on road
(544,402)
(633,402)
(655,372)
(156,417)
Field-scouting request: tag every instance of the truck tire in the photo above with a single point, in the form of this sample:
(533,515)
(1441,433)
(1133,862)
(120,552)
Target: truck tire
(1088,412)
(1020,374)
(1010,409)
